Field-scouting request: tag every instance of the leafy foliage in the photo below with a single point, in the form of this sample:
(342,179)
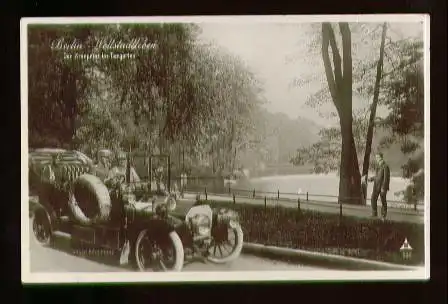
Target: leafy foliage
(57,88)
(403,93)
(325,153)
(179,97)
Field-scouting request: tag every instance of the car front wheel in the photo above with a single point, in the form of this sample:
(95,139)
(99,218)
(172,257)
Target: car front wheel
(159,253)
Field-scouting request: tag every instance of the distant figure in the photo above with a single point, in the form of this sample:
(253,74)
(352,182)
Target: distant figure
(183,183)
(159,176)
(381,182)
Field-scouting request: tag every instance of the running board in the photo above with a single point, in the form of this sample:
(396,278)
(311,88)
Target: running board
(62,234)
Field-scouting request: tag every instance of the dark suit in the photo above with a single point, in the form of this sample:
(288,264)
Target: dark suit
(381,183)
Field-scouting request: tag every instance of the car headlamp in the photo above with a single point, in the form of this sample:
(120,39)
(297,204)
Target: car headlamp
(227,215)
(201,224)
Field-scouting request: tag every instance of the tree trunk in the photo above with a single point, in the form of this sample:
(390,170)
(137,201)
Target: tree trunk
(340,85)
(183,158)
(379,69)
(234,160)
(161,143)
(349,176)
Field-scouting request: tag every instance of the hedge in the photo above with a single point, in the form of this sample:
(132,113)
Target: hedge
(325,232)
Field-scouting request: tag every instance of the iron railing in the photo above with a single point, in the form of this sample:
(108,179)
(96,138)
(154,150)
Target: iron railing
(215,186)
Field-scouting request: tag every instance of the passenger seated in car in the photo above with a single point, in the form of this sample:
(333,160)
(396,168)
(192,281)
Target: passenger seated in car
(120,170)
(103,166)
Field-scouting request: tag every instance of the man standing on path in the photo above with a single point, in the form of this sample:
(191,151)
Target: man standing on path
(381,182)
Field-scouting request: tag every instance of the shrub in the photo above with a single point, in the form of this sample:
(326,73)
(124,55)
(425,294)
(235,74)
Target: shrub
(325,232)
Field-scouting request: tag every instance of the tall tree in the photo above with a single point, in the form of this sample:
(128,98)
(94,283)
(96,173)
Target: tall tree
(339,79)
(400,93)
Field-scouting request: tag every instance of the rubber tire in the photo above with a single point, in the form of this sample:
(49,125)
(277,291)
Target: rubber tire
(236,252)
(178,249)
(37,216)
(101,193)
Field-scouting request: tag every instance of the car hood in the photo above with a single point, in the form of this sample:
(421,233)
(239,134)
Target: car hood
(141,209)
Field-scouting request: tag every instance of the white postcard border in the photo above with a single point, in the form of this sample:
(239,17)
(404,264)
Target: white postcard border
(314,275)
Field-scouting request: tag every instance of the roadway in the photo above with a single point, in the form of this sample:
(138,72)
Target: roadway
(59,258)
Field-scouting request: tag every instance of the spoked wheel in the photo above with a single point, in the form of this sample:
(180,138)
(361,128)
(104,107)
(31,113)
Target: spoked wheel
(226,244)
(42,228)
(161,254)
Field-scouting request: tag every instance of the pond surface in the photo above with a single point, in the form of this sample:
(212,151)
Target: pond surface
(314,184)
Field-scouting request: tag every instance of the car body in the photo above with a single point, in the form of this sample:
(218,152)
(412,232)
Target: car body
(127,218)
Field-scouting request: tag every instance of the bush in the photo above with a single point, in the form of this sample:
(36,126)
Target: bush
(324,232)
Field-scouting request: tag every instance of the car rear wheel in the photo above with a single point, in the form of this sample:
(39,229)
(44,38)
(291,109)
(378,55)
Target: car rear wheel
(42,228)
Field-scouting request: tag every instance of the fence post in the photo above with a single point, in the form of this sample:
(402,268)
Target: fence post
(229,189)
(265,202)
(298,203)
(205,193)
(307,196)
(340,210)
(253,194)
(234,200)
(278,194)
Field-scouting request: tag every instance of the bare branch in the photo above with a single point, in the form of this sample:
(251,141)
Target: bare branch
(336,56)
(327,64)
(347,59)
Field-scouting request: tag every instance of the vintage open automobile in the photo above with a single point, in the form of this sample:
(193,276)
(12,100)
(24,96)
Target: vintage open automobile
(130,219)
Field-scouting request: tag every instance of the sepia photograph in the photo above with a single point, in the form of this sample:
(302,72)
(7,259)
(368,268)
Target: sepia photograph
(249,148)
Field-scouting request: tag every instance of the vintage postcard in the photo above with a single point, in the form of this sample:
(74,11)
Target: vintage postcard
(224,148)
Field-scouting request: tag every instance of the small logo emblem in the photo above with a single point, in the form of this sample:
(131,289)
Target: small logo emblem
(406,250)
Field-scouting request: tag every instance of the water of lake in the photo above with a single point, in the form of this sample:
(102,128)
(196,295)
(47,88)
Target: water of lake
(314,184)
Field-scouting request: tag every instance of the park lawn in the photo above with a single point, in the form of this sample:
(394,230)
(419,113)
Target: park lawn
(323,232)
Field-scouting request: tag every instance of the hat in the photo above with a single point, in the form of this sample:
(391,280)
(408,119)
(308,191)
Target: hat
(121,155)
(104,152)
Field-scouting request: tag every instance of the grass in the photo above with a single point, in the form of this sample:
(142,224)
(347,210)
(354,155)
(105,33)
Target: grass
(322,232)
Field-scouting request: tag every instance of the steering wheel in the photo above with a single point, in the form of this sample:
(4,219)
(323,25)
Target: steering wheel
(115,181)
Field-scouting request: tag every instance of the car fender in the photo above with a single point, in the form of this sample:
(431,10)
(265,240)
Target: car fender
(225,215)
(155,226)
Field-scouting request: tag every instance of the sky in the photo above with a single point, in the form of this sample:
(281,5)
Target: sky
(278,53)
